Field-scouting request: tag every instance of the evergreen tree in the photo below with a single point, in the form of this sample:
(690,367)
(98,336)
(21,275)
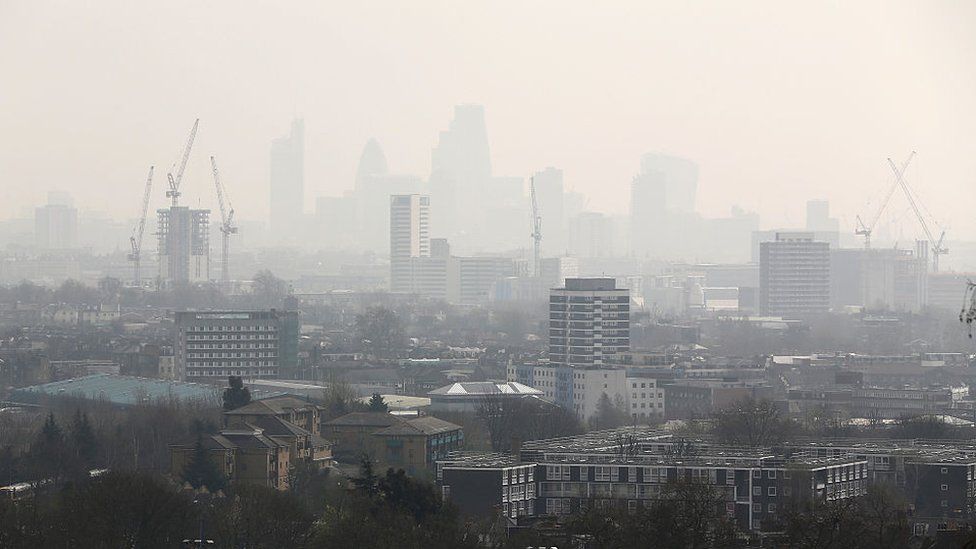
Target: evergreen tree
(236,395)
(376,404)
(202,471)
(83,440)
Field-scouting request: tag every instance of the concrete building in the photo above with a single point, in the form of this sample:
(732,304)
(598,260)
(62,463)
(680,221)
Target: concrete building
(409,237)
(589,322)
(250,344)
(626,468)
(287,182)
(56,223)
(550,196)
(183,239)
(794,275)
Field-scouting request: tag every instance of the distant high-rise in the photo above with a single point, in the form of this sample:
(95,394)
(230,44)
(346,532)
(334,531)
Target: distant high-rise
(288,181)
(678,177)
(551,200)
(794,275)
(460,169)
(662,205)
(409,237)
(183,244)
(56,224)
(818,217)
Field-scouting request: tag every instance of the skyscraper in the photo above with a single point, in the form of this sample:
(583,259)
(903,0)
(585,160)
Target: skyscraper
(794,275)
(56,224)
(460,169)
(550,197)
(409,237)
(287,180)
(662,205)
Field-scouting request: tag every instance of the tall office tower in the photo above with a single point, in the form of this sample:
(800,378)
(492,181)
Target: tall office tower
(56,223)
(460,170)
(818,217)
(662,205)
(591,234)
(183,244)
(250,344)
(678,176)
(550,197)
(409,237)
(288,182)
(794,275)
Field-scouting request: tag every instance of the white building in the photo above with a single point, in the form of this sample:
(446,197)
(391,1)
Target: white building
(794,275)
(409,237)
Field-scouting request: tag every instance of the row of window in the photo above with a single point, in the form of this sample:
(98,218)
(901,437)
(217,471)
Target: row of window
(224,373)
(235,328)
(237,337)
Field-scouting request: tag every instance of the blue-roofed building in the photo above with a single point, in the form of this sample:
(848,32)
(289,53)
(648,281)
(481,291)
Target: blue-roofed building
(120,390)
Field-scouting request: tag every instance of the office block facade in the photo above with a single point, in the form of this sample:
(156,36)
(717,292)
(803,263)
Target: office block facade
(794,275)
(249,344)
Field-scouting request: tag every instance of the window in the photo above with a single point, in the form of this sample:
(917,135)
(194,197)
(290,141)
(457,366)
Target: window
(945,487)
(945,470)
(601,474)
(770,474)
(771,491)
(757,508)
(945,503)
(787,491)
(730,477)
(757,490)
(446,491)
(757,474)
(771,508)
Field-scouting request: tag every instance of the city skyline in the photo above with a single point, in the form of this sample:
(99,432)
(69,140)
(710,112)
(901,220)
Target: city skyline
(769,160)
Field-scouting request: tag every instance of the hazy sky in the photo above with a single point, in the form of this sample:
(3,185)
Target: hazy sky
(777,101)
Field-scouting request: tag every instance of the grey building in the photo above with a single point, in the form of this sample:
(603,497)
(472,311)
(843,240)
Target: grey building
(794,275)
(250,344)
(287,181)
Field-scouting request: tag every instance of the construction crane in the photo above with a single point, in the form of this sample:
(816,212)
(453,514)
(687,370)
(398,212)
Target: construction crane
(227,226)
(536,230)
(174,181)
(135,256)
(938,247)
(865,230)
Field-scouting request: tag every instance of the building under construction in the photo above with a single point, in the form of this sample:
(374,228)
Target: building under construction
(184,244)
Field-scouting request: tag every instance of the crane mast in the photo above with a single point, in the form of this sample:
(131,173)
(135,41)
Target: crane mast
(865,229)
(136,239)
(227,226)
(938,247)
(536,230)
(174,182)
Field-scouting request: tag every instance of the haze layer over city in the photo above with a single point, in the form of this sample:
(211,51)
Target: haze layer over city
(487,275)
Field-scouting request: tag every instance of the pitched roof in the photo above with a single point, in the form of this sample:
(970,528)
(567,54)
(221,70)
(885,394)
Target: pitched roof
(482,388)
(271,406)
(275,426)
(427,425)
(366,419)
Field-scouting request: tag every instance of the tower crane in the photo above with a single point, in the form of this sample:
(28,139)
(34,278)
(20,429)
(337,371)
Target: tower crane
(174,182)
(227,226)
(536,230)
(865,230)
(938,246)
(135,256)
